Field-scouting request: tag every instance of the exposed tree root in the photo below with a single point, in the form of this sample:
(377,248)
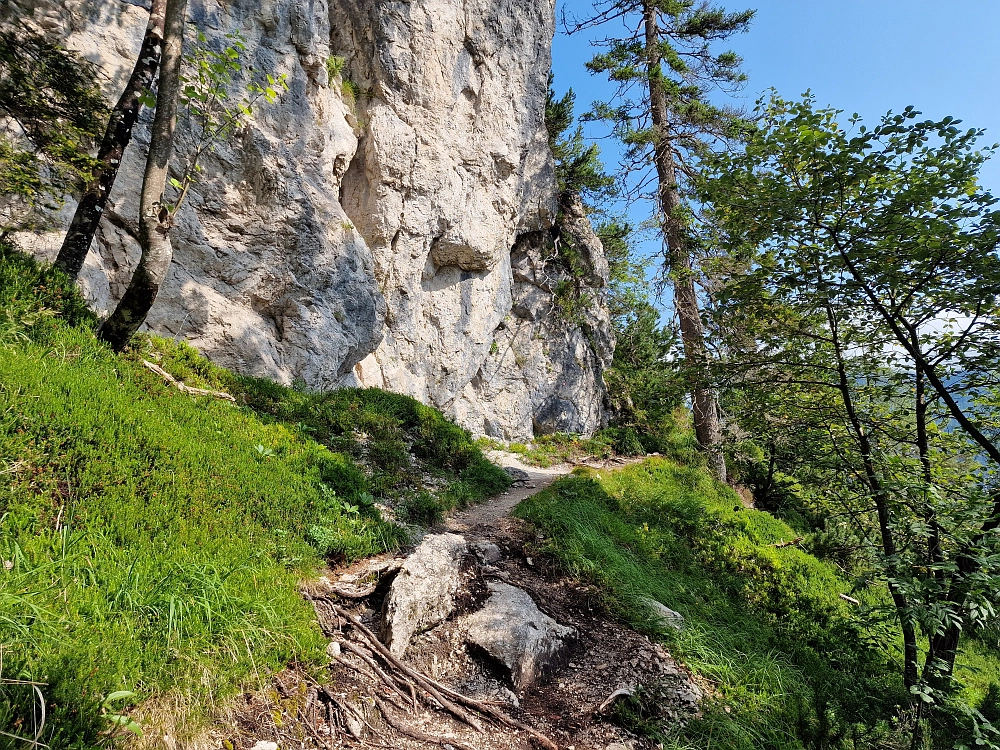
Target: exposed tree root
(355,594)
(366,657)
(416,734)
(445,696)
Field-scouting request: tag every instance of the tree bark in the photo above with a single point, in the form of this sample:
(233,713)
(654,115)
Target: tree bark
(92,204)
(155,219)
(703,400)
(874,481)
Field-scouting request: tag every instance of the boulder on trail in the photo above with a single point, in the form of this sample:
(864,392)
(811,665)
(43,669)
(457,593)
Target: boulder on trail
(518,475)
(423,593)
(512,630)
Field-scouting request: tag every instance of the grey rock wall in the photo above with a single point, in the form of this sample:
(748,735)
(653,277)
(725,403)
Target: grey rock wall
(394,240)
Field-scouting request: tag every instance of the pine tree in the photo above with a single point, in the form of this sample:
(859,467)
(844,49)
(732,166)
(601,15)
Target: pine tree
(665,71)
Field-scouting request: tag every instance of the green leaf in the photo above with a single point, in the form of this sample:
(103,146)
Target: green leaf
(118,695)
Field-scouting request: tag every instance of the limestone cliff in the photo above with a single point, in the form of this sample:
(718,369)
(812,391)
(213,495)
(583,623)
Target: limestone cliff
(398,238)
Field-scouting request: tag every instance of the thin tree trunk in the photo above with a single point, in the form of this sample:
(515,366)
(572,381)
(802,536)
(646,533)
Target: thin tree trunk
(943,647)
(874,482)
(923,449)
(92,204)
(154,218)
(772,461)
(703,401)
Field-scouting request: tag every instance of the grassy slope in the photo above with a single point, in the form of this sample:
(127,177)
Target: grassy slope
(153,541)
(794,665)
(765,624)
(670,436)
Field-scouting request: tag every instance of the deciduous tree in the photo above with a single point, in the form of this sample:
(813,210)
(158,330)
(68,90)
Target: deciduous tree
(155,217)
(871,273)
(93,203)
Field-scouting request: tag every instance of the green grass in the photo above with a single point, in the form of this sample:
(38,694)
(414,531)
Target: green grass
(791,663)
(558,448)
(669,437)
(152,541)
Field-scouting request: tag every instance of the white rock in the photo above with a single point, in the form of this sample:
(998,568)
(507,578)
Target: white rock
(512,630)
(663,615)
(333,649)
(423,592)
(400,241)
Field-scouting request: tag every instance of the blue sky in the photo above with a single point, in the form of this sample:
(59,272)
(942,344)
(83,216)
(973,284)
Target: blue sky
(865,56)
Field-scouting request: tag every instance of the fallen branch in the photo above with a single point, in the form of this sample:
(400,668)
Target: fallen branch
(185,388)
(796,540)
(850,599)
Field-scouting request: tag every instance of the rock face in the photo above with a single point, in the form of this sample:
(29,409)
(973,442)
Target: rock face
(557,337)
(512,630)
(423,592)
(390,226)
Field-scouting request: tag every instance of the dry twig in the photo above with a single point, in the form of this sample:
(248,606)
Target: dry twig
(185,388)
(796,540)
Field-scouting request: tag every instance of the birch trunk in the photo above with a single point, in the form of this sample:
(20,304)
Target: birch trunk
(92,204)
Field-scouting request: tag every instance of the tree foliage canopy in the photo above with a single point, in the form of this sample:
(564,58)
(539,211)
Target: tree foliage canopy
(860,316)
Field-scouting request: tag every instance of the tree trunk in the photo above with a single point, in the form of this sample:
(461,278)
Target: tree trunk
(154,218)
(92,204)
(874,482)
(703,401)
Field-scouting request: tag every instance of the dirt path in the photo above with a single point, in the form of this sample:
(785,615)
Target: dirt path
(351,706)
(530,480)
